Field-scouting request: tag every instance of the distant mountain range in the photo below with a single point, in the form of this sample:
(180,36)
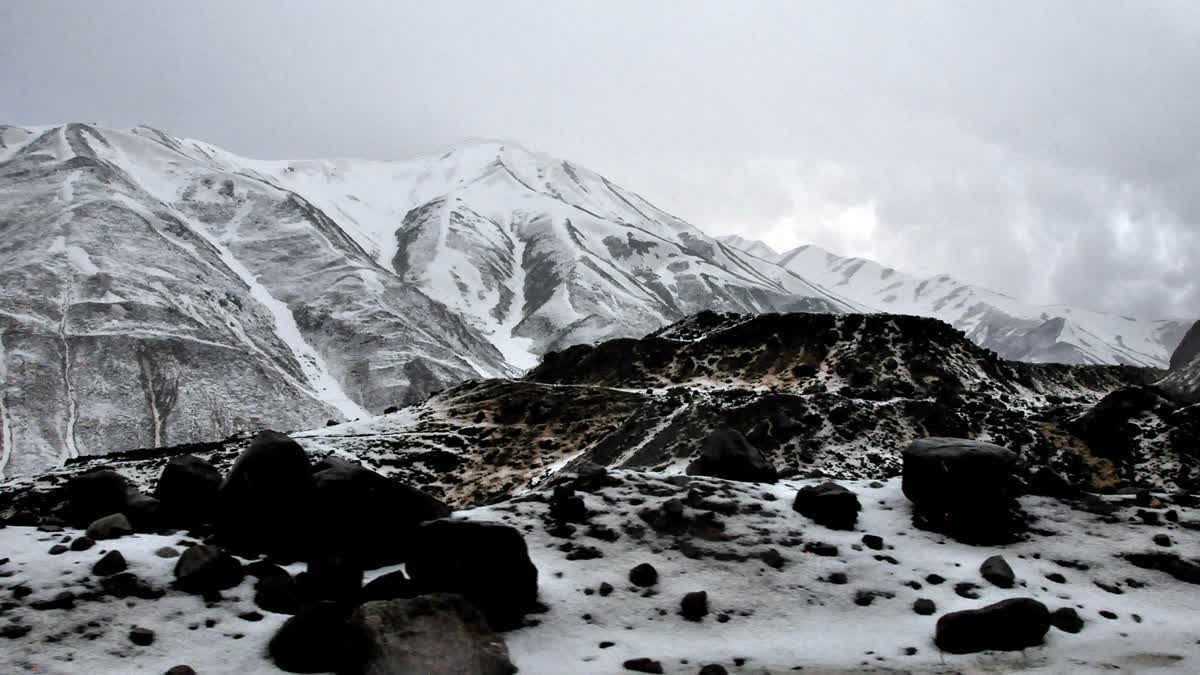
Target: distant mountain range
(158,290)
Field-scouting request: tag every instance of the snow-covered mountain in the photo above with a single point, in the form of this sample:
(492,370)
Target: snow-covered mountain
(161,290)
(1011,328)
(754,247)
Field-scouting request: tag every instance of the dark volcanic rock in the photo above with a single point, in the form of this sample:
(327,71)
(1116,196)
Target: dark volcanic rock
(1066,619)
(330,578)
(95,494)
(962,487)
(317,640)
(265,503)
(277,593)
(433,634)
(1008,625)
(1171,563)
(694,605)
(112,563)
(643,575)
(487,563)
(924,606)
(727,454)
(82,543)
(203,568)
(363,516)
(828,504)
(187,489)
(996,570)
(643,665)
(391,586)
(141,637)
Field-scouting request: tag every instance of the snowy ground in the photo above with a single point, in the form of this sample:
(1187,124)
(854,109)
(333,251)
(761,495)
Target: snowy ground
(776,620)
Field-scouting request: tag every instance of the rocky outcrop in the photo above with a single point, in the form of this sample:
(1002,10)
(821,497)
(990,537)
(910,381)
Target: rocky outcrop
(964,488)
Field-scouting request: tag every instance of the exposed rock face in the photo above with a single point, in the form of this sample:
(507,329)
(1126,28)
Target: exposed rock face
(1008,625)
(1184,379)
(963,487)
(1188,349)
(436,634)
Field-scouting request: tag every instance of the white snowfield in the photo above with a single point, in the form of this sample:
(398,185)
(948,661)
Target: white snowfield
(775,620)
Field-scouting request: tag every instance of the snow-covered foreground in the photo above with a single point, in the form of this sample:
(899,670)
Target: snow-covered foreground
(761,620)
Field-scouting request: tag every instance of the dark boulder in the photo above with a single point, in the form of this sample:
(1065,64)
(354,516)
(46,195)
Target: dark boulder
(436,634)
(203,568)
(643,665)
(187,490)
(566,506)
(95,494)
(277,593)
(1170,563)
(727,454)
(486,563)
(963,488)
(643,575)
(391,586)
(828,504)
(1008,625)
(996,570)
(924,606)
(266,501)
(142,637)
(317,640)
(111,563)
(363,516)
(694,606)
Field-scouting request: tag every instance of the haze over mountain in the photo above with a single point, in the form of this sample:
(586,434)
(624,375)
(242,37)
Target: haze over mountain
(159,290)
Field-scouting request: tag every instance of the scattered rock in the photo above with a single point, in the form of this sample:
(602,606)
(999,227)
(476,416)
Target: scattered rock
(110,527)
(1008,625)
(694,605)
(1170,563)
(997,571)
(111,563)
(127,584)
(643,665)
(277,593)
(63,600)
(727,454)
(873,542)
(142,637)
(713,669)
(82,543)
(1162,540)
(643,575)
(1066,619)
(58,549)
(166,552)
(924,606)
(181,670)
(828,504)
(432,634)
(204,568)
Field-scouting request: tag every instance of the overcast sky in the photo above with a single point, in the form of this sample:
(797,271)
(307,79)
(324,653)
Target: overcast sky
(1048,150)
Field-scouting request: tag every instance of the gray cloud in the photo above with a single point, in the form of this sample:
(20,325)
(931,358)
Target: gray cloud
(1045,149)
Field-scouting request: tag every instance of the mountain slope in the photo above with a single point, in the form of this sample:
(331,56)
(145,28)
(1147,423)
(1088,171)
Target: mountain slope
(1015,330)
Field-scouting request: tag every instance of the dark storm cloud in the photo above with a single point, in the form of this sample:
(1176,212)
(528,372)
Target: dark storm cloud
(1044,149)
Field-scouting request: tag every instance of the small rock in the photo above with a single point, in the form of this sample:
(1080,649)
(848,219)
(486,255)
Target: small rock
(1066,619)
(924,606)
(643,575)
(82,543)
(203,568)
(111,563)
(58,549)
(713,669)
(14,631)
(166,552)
(142,637)
(694,606)
(181,670)
(1056,578)
(64,600)
(606,589)
(1008,625)
(828,504)
(873,542)
(1162,540)
(643,665)
(996,570)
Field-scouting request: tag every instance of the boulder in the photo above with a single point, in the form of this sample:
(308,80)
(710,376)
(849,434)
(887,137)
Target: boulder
(277,593)
(390,586)
(727,454)
(203,569)
(437,634)
(187,490)
(363,516)
(317,640)
(95,494)
(265,502)
(694,605)
(996,570)
(330,578)
(1008,625)
(1066,619)
(963,488)
(110,527)
(828,504)
(486,563)
(643,575)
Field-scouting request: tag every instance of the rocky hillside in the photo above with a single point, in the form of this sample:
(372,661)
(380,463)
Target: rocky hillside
(818,395)
(1184,379)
